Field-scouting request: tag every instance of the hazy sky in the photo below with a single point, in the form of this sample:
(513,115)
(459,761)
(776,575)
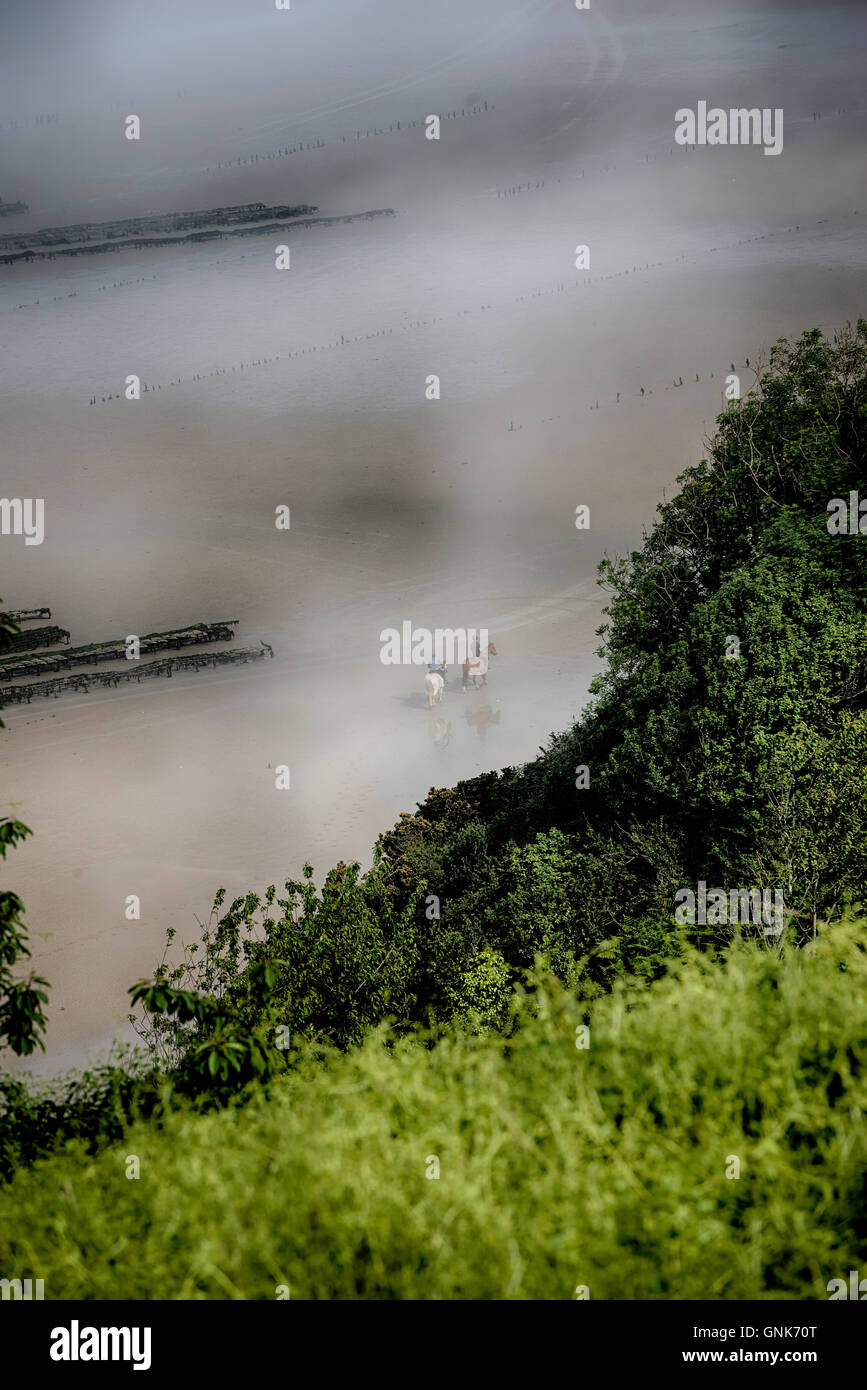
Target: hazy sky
(215,79)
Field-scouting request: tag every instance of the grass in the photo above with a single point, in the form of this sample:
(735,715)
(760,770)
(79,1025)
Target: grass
(604,1167)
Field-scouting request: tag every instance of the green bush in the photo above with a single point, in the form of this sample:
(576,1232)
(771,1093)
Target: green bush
(95,1106)
(320,966)
(559,1166)
(22,1002)
(483,998)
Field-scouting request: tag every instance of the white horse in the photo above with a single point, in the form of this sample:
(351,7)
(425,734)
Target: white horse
(434,685)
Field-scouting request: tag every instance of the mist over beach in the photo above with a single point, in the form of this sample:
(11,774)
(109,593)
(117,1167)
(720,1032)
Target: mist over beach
(559,387)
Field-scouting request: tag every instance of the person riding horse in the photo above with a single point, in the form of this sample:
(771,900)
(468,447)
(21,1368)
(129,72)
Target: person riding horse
(476,665)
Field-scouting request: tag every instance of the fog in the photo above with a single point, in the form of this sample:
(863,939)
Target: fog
(307,388)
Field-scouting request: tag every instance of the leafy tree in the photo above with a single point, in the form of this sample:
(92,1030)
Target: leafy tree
(22,1012)
(323,967)
(743,772)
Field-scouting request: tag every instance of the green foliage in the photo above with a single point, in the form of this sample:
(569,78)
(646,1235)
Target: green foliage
(747,771)
(216,1057)
(482,1000)
(559,1166)
(321,967)
(94,1106)
(22,1012)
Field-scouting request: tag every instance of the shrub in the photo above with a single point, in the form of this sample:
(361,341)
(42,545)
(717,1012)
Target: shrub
(607,1166)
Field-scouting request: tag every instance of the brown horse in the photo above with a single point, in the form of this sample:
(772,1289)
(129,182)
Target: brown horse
(475,668)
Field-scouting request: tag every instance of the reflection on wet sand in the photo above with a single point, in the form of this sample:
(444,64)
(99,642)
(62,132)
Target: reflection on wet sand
(439,731)
(481,718)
